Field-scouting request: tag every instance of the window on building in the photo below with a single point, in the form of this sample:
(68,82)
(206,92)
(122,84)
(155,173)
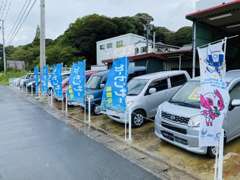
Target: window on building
(178,80)
(102,47)
(119,44)
(109,45)
(136,51)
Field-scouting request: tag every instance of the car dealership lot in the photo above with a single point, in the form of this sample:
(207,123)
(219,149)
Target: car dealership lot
(145,140)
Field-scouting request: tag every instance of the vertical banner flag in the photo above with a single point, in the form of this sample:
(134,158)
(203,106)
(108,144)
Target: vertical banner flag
(44,80)
(56,81)
(214,96)
(36,72)
(115,92)
(77,81)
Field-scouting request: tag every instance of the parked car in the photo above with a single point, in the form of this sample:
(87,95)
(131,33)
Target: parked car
(96,84)
(146,92)
(177,120)
(26,79)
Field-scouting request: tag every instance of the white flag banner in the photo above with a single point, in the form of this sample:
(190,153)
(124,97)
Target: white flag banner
(214,96)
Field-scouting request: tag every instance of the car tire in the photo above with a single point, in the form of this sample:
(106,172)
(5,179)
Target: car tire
(138,118)
(211,151)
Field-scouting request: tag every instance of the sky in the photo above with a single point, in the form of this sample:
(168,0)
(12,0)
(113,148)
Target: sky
(60,13)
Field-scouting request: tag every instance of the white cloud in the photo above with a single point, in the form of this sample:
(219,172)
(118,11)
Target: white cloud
(59,14)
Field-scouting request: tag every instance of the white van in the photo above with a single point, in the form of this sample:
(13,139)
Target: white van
(178,120)
(146,92)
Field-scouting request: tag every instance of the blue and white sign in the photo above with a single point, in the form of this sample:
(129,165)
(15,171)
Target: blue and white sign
(56,81)
(44,80)
(115,92)
(77,81)
(214,96)
(36,79)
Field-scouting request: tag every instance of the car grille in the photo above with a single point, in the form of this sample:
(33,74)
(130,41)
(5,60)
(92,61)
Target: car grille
(176,129)
(175,118)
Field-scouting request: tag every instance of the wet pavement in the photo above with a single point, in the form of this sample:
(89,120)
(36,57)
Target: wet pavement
(35,145)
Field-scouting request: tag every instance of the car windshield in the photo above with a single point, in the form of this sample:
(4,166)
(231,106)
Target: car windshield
(135,86)
(188,95)
(94,82)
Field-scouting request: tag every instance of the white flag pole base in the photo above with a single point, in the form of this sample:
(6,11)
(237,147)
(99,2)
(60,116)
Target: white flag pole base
(51,98)
(219,158)
(66,105)
(129,125)
(89,112)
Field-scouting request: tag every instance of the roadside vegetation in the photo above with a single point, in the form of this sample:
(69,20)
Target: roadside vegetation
(4,79)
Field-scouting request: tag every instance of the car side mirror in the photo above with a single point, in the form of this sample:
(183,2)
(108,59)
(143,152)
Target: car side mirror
(102,86)
(152,91)
(234,103)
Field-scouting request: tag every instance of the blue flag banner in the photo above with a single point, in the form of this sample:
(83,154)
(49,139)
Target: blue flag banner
(36,72)
(115,92)
(44,80)
(77,81)
(56,81)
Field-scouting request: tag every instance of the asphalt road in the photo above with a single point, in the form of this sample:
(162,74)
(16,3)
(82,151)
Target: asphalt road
(36,146)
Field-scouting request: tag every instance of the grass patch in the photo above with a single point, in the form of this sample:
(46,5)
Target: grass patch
(4,79)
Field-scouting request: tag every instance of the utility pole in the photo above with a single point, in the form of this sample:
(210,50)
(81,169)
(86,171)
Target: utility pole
(42,36)
(4,52)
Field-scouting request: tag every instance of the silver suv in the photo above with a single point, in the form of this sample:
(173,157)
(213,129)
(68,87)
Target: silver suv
(146,92)
(177,120)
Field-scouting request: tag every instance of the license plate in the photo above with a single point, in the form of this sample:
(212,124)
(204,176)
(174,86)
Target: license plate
(168,135)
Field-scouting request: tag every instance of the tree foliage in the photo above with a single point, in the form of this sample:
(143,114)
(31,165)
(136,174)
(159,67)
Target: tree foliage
(79,40)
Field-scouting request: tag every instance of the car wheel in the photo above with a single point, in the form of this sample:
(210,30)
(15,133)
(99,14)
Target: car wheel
(95,110)
(138,118)
(211,151)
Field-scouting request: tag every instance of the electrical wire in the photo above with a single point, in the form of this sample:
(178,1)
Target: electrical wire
(23,20)
(18,19)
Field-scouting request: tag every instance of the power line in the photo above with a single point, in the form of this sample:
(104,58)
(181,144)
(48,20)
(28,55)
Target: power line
(19,17)
(23,20)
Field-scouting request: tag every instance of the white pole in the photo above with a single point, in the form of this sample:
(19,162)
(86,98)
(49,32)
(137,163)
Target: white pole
(194,49)
(66,105)
(51,97)
(42,36)
(126,117)
(216,163)
(31,89)
(85,109)
(220,161)
(4,52)
(129,125)
(89,112)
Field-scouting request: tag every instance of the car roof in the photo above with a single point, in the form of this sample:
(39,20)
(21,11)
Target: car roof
(160,74)
(229,77)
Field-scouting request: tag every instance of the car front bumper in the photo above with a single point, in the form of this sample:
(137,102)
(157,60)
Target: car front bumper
(179,135)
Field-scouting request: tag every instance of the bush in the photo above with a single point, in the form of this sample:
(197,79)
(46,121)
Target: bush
(4,79)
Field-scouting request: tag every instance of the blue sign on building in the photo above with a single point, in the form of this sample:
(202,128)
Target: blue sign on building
(44,80)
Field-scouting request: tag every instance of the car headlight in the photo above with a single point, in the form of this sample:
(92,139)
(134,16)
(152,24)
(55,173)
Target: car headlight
(194,121)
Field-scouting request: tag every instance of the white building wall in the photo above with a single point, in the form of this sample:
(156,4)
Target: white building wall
(130,42)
